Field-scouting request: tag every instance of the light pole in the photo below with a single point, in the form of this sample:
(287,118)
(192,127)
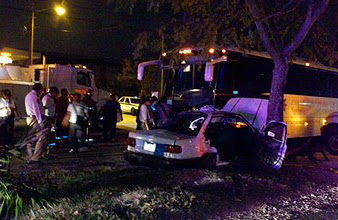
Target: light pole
(58,9)
(32,34)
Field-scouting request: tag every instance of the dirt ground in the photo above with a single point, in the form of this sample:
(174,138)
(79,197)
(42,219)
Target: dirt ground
(302,189)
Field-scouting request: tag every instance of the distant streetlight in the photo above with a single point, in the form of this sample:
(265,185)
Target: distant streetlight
(5,58)
(59,11)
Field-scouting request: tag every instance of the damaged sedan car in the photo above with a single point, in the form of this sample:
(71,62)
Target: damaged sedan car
(213,138)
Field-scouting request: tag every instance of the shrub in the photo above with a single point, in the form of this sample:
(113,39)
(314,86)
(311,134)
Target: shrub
(14,195)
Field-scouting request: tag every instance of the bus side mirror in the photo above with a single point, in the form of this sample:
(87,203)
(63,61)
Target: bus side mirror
(140,70)
(209,72)
(140,67)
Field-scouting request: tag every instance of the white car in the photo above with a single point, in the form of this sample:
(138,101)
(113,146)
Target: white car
(209,139)
(129,104)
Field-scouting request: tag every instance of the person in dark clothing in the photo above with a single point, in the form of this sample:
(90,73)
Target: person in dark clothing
(109,113)
(138,122)
(163,113)
(92,110)
(61,110)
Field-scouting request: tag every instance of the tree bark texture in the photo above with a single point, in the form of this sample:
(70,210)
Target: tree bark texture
(281,55)
(276,99)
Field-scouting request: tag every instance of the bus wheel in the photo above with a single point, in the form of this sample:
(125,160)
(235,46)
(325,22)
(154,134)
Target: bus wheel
(332,144)
(133,111)
(209,161)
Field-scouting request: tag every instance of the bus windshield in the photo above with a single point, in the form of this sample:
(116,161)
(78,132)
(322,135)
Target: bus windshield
(185,86)
(190,77)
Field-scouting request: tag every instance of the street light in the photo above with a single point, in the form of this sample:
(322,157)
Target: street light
(58,9)
(5,58)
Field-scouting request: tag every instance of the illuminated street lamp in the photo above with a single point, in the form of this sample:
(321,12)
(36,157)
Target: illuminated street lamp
(5,58)
(59,11)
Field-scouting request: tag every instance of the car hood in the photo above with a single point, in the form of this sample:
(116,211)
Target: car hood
(159,136)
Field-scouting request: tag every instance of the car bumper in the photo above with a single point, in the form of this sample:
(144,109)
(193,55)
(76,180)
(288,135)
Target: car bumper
(140,158)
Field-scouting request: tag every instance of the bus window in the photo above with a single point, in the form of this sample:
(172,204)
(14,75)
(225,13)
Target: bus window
(83,79)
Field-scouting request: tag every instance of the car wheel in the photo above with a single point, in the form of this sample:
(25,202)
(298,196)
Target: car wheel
(332,144)
(133,111)
(209,161)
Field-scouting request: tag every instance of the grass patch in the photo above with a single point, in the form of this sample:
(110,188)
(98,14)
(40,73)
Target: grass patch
(139,203)
(143,193)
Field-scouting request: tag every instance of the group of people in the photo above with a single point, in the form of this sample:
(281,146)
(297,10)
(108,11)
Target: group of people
(50,114)
(153,113)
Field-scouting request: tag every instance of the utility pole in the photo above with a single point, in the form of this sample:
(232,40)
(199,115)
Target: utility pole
(31,48)
(162,71)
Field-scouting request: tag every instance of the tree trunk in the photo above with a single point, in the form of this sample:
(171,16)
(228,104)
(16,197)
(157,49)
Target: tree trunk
(276,100)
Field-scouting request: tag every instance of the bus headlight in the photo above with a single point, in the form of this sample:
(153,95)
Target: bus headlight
(324,121)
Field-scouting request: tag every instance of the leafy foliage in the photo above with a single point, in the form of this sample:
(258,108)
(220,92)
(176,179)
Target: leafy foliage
(229,23)
(16,196)
(120,81)
(278,27)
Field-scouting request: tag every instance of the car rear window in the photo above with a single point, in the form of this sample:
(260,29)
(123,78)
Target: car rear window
(187,123)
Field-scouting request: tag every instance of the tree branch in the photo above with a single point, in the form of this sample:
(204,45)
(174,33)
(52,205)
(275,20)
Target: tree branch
(263,32)
(310,18)
(283,10)
(273,32)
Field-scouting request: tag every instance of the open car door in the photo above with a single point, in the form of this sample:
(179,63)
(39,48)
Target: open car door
(274,144)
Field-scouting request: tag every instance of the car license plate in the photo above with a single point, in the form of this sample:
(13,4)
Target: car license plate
(149,146)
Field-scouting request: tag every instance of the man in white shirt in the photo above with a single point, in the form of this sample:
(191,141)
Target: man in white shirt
(146,116)
(49,103)
(78,121)
(35,114)
(7,114)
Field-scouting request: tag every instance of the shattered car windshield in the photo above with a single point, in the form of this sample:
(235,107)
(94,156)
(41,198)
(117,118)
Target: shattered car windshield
(187,123)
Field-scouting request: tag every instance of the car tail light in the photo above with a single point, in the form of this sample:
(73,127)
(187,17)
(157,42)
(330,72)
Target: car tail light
(131,142)
(173,149)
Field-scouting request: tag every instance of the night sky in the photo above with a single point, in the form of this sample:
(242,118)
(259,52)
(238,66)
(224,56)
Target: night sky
(90,29)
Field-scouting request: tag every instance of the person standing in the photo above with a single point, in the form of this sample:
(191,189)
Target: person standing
(78,114)
(7,114)
(49,103)
(61,110)
(138,122)
(146,115)
(35,116)
(110,110)
(92,110)
(164,112)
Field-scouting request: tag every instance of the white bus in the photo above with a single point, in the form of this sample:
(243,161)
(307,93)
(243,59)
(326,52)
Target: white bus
(191,80)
